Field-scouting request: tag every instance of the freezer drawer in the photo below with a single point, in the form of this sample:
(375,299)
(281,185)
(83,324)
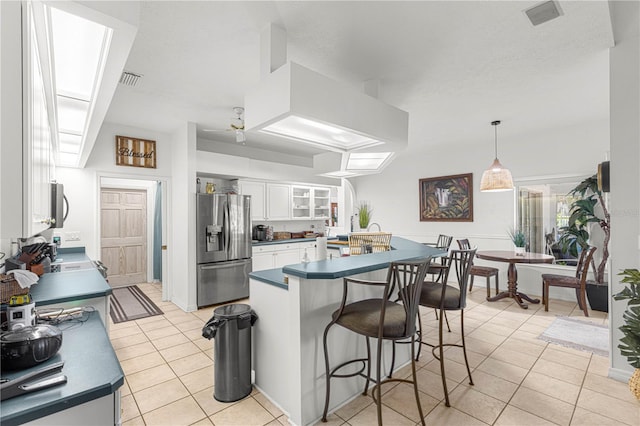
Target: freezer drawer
(223,281)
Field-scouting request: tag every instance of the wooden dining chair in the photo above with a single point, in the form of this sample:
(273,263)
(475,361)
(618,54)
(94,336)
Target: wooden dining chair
(480,271)
(578,282)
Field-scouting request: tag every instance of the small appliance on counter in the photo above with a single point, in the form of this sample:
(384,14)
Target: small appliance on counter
(29,346)
(260,232)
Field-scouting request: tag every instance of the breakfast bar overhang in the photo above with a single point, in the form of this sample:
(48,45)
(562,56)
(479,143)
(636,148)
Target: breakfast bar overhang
(294,305)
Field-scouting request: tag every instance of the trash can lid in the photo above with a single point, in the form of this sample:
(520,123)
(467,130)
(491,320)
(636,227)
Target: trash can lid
(231,311)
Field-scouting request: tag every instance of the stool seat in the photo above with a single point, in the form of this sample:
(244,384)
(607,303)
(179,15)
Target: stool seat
(363,317)
(484,271)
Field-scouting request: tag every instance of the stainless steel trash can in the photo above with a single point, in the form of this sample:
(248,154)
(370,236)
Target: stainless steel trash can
(230,326)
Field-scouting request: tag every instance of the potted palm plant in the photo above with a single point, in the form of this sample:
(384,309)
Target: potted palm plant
(630,344)
(519,241)
(587,210)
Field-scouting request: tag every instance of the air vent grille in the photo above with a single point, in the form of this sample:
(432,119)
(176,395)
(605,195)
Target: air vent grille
(129,79)
(543,12)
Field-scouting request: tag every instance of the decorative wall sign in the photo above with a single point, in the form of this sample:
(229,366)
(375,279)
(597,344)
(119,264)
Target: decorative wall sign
(447,198)
(135,152)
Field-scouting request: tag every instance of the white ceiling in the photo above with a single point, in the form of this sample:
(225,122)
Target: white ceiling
(455,66)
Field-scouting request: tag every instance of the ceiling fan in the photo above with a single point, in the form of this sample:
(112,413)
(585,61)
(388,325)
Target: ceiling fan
(236,126)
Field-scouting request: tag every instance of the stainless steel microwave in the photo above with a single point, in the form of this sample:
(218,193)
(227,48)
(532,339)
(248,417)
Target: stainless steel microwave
(58,204)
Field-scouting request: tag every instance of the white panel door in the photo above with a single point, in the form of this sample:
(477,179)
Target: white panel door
(124,235)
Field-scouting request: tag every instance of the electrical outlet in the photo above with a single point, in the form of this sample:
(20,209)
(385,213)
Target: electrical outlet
(72,236)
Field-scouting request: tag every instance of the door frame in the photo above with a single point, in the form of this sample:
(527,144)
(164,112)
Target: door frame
(166,221)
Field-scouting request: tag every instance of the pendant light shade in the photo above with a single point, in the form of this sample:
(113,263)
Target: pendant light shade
(496,178)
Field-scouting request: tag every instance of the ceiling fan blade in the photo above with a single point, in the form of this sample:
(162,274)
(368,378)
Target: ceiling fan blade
(240,137)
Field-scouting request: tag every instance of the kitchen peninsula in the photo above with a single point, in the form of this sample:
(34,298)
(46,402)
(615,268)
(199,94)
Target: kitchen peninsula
(294,305)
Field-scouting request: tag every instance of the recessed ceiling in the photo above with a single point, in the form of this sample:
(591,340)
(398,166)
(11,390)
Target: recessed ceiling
(453,65)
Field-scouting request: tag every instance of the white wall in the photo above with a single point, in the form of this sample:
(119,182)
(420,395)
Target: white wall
(395,199)
(394,193)
(81,186)
(625,158)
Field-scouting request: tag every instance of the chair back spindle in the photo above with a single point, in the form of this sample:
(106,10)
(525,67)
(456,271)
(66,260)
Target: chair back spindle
(462,261)
(407,277)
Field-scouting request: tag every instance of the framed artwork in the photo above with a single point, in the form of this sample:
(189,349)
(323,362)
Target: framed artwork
(135,152)
(447,198)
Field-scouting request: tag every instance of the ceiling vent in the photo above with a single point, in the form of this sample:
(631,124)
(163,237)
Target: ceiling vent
(543,12)
(129,79)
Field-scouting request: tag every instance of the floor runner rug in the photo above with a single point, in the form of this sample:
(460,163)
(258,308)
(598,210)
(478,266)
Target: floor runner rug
(130,303)
(578,334)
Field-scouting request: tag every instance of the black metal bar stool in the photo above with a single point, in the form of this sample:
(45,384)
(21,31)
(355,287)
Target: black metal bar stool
(382,319)
(444,297)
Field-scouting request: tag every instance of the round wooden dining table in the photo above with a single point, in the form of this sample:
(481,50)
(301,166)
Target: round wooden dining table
(512,274)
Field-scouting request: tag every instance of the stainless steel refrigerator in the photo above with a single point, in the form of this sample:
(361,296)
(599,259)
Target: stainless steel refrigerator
(224,247)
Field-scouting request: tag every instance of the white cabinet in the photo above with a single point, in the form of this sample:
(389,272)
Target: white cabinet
(269,201)
(286,257)
(309,202)
(321,203)
(278,201)
(275,256)
(301,202)
(38,160)
(310,248)
(258,200)
(262,261)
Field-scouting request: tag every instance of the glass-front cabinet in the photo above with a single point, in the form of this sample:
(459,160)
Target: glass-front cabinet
(310,202)
(321,203)
(301,202)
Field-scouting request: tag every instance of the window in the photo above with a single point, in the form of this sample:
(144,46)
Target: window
(542,210)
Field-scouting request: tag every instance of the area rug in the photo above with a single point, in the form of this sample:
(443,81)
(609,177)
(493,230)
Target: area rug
(130,303)
(578,334)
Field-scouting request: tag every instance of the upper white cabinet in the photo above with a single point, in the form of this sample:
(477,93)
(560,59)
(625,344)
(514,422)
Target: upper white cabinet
(321,203)
(301,202)
(257,191)
(308,202)
(269,201)
(38,162)
(278,201)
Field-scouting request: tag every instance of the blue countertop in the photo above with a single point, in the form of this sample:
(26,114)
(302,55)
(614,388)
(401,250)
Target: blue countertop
(402,249)
(85,346)
(71,254)
(288,241)
(59,287)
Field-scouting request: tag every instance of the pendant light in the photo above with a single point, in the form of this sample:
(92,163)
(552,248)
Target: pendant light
(496,178)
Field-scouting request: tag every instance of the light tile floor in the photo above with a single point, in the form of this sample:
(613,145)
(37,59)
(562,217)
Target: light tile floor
(519,379)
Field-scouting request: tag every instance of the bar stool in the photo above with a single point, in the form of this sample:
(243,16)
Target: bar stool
(444,297)
(382,319)
(480,271)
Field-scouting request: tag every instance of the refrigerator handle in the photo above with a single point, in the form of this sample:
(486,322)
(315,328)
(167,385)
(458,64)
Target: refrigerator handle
(227,231)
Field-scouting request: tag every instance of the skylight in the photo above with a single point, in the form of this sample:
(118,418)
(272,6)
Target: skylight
(367,160)
(78,46)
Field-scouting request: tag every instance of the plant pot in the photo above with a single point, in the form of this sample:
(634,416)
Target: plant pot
(519,251)
(598,296)
(634,384)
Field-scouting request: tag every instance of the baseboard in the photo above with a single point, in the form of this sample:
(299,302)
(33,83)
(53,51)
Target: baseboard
(620,375)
